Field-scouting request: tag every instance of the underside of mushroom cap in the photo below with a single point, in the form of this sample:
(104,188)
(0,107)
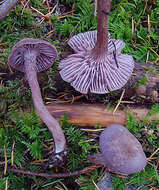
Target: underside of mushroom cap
(83,41)
(86,73)
(46,54)
(86,41)
(121,150)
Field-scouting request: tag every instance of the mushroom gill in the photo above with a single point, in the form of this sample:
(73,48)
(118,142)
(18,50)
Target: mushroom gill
(97,65)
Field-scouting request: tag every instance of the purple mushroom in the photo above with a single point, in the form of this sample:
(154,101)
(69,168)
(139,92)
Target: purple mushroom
(97,65)
(120,151)
(6,6)
(31,56)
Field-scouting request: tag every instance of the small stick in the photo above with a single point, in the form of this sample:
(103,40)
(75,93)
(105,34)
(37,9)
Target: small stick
(121,97)
(92,130)
(24,6)
(153,154)
(12,154)
(148,22)
(95,185)
(132,25)
(5,156)
(58,175)
(6,187)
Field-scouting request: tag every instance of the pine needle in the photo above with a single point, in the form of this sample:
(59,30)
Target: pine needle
(153,154)
(5,157)
(12,154)
(6,187)
(121,97)
(95,185)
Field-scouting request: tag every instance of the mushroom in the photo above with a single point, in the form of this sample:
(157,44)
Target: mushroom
(97,65)
(120,151)
(31,56)
(6,6)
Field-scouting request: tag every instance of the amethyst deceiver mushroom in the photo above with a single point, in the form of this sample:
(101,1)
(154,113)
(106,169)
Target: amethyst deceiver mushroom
(97,65)
(31,56)
(6,6)
(120,151)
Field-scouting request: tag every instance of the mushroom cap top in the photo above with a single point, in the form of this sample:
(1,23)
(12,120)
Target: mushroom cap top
(45,53)
(121,150)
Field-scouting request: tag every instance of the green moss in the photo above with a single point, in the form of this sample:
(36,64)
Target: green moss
(145,177)
(26,130)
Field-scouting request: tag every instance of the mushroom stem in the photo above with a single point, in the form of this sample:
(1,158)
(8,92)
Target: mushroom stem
(6,6)
(103,8)
(52,124)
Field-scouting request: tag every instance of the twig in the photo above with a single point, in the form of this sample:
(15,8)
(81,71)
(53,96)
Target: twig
(2,2)
(148,22)
(6,187)
(153,154)
(127,102)
(141,186)
(95,185)
(92,130)
(58,175)
(119,101)
(12,154)
(24,6)
(5,166)
(132,26)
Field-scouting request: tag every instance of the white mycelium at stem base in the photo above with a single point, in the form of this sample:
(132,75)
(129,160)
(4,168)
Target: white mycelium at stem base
(53,125)
(98,65)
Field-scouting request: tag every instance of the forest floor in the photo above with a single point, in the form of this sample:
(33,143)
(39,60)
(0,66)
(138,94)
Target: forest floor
(25,141)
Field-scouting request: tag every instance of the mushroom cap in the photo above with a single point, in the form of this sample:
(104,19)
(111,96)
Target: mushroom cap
(46,54)
(83,41)
(100,75)
(87,40)
(121,150)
